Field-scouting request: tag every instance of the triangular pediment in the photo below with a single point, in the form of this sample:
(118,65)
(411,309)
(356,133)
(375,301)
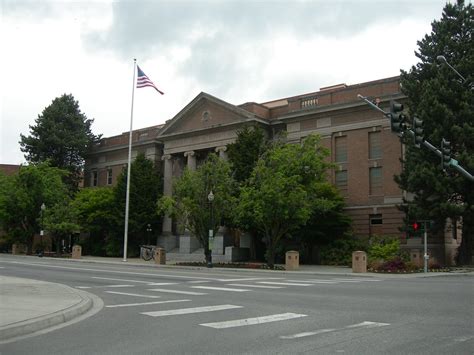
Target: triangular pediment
(205,112)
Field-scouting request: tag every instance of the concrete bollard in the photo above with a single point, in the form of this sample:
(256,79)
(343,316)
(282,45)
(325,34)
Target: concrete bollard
(359,261)
(292,260)
(76,252)
(160,256)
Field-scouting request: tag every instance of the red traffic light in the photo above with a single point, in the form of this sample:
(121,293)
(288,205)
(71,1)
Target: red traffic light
(415,226)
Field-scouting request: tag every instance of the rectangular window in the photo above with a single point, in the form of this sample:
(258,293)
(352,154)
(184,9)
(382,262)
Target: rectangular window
(375,145)
(375,181)
(94,178)
(376,219)
(109,176)
(341,179)
(341,149)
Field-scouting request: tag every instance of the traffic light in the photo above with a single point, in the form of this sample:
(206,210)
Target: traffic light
(445,153)
(415,226)
(417,127)
(397,118)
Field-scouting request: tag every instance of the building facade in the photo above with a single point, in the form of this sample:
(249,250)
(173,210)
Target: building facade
(358,137)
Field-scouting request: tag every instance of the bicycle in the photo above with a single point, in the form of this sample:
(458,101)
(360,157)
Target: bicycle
(147,252)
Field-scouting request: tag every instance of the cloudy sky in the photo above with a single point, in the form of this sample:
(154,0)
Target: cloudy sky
(239,51)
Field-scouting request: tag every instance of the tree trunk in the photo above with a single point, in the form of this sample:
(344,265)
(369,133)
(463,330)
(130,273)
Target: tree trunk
(270,254)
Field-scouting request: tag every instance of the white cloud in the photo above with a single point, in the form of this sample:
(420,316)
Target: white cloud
(237,50)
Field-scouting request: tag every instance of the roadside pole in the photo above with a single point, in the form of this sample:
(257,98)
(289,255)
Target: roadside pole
(425,242)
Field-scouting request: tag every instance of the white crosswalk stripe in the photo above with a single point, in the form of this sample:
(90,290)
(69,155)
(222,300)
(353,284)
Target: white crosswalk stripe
(132,294)
(144,303)
(365,325)
(190,310)
(252,321)
(284,283)
(122,280)
(221,288)
(177,291)
(256,286)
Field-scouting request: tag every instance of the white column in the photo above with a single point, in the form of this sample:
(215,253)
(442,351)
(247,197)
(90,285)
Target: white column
(222,150)
(191,155)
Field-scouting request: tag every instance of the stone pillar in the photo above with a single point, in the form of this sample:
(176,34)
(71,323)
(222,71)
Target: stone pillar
(167,189)
(76,252)
(222,150)
(191,155)
(359,261)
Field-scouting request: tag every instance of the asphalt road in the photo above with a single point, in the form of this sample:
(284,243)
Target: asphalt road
(172,311)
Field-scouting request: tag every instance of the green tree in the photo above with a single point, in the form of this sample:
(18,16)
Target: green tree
(62,134)
(447,108)
(190,204)
(22,195)
(60,221)
(145,190)
(327,223)
(96,214)
(250,144)
(284,191)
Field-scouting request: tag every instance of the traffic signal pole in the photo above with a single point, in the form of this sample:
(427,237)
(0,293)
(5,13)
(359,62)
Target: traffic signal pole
(452,162)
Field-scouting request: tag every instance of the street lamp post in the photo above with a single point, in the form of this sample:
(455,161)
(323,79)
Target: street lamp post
(43,208)
(442,59)
(210,240)
(148,232)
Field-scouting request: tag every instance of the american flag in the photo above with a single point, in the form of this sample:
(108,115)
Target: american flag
(143,81)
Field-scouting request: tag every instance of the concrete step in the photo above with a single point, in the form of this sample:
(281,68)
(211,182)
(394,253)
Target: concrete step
(196,256)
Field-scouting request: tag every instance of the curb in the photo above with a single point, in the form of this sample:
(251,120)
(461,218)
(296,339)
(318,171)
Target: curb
(30,326)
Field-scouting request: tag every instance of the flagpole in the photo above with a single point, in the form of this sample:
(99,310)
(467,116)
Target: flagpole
(127,198)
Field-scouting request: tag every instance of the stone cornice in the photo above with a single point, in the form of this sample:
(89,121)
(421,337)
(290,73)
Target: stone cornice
(335,107)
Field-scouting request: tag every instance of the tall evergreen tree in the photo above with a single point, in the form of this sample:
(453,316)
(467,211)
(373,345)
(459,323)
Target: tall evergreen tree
(145,190)
(446,105)
(244,153)
(62,135)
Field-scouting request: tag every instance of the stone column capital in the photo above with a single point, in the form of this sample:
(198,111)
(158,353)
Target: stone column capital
(222,148)
(166,157)
(190,153)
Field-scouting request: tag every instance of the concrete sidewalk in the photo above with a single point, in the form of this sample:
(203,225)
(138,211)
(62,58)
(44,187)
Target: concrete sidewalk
(29,306)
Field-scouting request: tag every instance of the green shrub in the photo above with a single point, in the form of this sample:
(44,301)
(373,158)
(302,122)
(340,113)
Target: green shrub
(384,249)
(339,251)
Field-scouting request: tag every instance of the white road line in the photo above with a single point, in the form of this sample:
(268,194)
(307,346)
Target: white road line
(173,312)
(169,275)
(250,279)
(162,283)
(314,281)
(177,291)
(123,280)
(221,288)
(307,334)
(144,303)
(283,283)
(118,286)
(132,294)
(198,282)
(366,325)
(361,280)
(83,287)
(252,321)
(257,286)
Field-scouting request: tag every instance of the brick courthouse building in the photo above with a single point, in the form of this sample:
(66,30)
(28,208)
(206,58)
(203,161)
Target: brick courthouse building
(359,138)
